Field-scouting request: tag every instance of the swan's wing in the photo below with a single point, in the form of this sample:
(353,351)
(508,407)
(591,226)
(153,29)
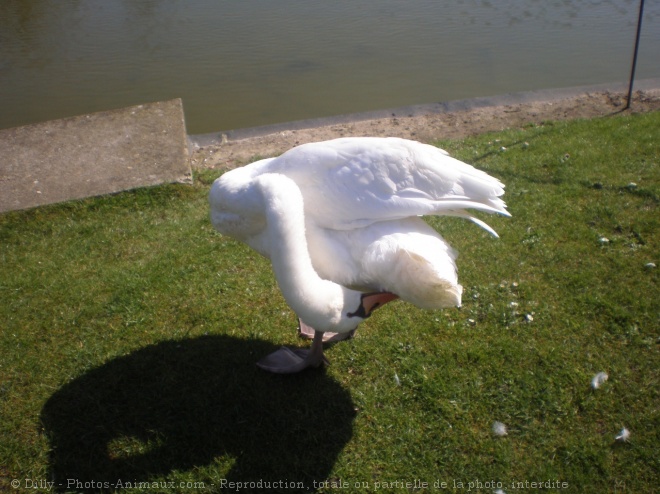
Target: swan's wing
(353,182)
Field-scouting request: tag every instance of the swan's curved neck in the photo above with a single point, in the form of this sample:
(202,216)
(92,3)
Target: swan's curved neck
(321,303)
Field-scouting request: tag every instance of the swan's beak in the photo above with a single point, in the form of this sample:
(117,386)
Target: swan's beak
(369,302)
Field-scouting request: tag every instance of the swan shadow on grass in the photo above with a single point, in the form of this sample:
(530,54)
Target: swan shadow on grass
(177,405)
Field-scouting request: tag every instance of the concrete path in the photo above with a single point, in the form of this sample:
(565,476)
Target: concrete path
(95,154)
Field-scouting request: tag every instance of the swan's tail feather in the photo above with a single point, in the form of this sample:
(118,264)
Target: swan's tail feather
(454,203)
(483,225)
(421,269)
(454,206)
(476,221)
(426,284)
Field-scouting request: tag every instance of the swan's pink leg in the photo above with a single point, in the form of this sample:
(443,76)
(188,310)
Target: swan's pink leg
(306,331)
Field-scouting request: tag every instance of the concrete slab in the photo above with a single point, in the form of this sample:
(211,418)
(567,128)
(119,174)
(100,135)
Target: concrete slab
(95,154)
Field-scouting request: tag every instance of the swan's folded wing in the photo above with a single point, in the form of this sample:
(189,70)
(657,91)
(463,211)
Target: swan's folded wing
(352,182)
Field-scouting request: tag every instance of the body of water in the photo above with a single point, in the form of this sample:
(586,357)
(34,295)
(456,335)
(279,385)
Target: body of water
(253,62)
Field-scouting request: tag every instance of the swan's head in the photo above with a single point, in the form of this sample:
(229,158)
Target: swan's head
(344,314)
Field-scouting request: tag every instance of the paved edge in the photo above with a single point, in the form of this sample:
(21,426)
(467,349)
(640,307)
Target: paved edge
(547,95)
(95,154)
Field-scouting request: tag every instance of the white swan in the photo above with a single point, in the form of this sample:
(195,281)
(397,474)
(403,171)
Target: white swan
(339,221)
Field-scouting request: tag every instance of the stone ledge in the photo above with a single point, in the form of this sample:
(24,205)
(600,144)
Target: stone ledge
(96,154)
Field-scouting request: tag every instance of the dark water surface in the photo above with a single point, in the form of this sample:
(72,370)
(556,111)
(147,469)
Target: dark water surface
(255,62)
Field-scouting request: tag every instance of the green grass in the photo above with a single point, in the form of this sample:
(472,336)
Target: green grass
(130,330)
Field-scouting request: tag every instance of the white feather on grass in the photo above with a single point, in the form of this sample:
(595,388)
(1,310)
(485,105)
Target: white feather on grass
(598,379)
(499,429)
(624,435)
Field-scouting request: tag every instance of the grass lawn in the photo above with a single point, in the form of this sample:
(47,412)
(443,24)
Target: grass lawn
(130,332)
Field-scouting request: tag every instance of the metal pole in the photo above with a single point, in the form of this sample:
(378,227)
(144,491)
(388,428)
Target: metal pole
(634,64)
